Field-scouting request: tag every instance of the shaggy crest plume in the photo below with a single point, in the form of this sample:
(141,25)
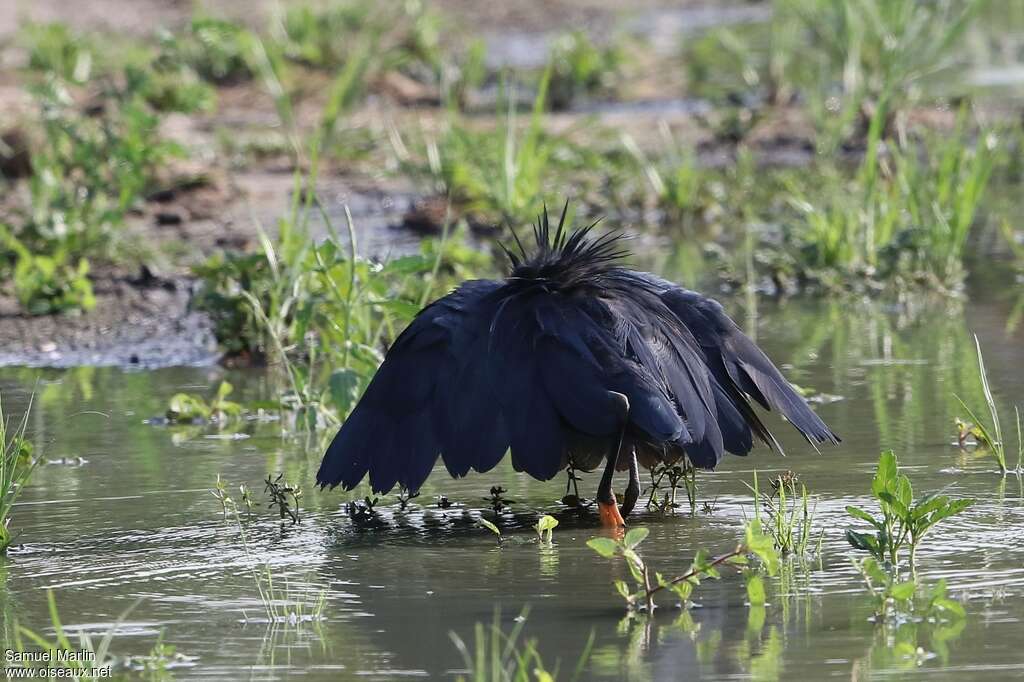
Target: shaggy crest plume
(564,257)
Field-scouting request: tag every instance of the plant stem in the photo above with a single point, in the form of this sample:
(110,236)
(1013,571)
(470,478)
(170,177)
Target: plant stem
(740,549)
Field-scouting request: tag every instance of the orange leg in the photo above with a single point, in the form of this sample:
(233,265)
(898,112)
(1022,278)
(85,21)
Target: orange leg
(610,516)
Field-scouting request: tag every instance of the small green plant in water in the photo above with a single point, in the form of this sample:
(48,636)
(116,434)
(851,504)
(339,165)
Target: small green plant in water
(284,496)
(904,521)
(676,474)
(990,436)
(895,600)
(647,583)
(220,493)
(789,516)
(498,656)
(545,528)
(16,466)
(185,408)
(484,523)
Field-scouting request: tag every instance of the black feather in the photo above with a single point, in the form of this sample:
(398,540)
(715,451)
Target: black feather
(530,364)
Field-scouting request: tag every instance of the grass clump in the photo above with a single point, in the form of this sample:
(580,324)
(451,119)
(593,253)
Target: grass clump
(905,217)
(843,61)
(581,68)
(16,466)
(498,174)
(497,656)
(317,311)
(788,514)
(95,153)
(904,521)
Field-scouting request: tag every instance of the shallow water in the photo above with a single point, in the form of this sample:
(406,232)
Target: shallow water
(136,521)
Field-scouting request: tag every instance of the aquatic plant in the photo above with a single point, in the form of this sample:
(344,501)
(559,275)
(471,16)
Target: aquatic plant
(288,604)
(484,523)
(894,599)
(991,436)
(789,517)
(187,408)
(16,466)
(497,656)
(284,496)
(497,500)
(684,473)
(318,309)
(647,583)
(904,521)
(545,528)
(220,493)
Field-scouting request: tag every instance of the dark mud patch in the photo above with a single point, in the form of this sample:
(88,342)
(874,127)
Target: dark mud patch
(143,322)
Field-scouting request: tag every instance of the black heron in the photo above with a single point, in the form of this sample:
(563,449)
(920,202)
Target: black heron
(571,359)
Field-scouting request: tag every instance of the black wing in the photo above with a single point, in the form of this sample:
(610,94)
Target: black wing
(488,368)
(740,367)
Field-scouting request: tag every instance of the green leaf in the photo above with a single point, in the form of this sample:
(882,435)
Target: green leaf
(623,589)
(885,475)
(905,494)
(683,589)
(635,536)
(545,523)
(951,605)
(343,389)
(224,390)
(755,588)
(859,513)
(606,547)
(903,591)
(874,571)
(490,526)
(862,541)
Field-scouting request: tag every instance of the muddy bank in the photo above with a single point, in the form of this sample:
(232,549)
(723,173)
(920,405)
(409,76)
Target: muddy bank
(141,322)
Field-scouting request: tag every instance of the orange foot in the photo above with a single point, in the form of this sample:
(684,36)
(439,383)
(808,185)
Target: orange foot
(610,516)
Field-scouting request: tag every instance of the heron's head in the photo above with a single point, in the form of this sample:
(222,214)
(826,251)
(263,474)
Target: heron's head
(563,258)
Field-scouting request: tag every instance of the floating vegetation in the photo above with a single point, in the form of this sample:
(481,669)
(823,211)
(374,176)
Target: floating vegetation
(16,466)
(187,408)
(904,521)
(647,583)
(990,437)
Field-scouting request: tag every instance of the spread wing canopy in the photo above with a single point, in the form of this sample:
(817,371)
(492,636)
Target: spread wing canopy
(489,368)
(498,366)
